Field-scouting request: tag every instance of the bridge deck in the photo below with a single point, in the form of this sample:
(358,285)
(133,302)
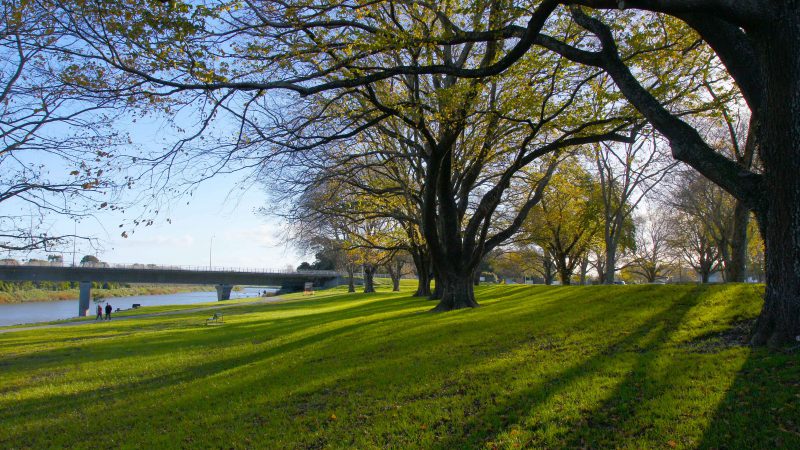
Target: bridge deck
(170,275)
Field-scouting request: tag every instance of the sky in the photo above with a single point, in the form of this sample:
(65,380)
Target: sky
(216,225)
(221,222)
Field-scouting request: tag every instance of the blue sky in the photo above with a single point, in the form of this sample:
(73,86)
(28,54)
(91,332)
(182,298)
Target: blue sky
(241,236)
(219,208)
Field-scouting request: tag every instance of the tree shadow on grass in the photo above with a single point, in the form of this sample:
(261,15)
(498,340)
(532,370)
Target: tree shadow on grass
(391,314)
(761,409)
(487,424)
(183,331)
(312,360)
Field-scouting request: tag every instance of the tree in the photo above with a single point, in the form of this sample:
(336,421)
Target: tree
(758,43)
(522,261)
(626,174)
(396,266)
(56,140)
(567,219)
(55,259)
(650,259)
(319,46)
(691,239)
(716,212)
(89,260)
(474,136)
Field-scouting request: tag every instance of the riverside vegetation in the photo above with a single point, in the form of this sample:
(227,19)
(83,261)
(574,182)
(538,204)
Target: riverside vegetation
(11,292)
(534,366)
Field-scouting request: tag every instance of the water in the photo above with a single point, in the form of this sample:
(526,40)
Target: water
(19,313)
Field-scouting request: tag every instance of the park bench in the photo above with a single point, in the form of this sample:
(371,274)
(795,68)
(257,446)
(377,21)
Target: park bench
(216,318)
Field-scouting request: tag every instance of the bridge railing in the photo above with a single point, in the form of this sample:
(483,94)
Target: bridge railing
(103,265)
(139,266)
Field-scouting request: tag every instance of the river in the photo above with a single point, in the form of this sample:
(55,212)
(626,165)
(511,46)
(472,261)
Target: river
(31,312)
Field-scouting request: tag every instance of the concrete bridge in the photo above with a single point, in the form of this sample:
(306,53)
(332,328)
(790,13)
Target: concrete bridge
(223,278)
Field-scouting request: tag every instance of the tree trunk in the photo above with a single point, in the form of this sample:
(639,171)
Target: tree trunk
(704,275)
(369,278)
(423,284)
(423,267)
(436,293)
(565,276)
(458,292)
(779,218)
(351,283)
(601,270)
(584,268)
(611,262)
(395,268)
(736,267)
(547,265)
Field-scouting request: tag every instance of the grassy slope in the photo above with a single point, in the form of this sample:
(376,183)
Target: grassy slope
(605,366)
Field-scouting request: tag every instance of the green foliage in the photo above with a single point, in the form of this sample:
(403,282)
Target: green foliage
(534,367)
(89,259)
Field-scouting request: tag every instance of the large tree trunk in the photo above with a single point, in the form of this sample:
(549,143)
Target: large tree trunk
(423,284)
(735,269)
(565,275)
(423,267)
(436,293)
(369,278)
(779,218)
(457,292)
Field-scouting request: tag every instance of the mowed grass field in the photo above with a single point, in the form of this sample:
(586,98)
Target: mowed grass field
(533,367)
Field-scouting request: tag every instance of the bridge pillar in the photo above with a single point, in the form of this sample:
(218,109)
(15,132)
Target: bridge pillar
(224,292)
(85,298)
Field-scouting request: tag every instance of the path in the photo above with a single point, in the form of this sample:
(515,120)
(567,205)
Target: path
(139,316)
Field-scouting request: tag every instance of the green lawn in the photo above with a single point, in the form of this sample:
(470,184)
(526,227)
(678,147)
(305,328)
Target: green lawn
(595,366)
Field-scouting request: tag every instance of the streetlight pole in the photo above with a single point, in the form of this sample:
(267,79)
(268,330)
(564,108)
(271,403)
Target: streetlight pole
(210,246)
(74,234)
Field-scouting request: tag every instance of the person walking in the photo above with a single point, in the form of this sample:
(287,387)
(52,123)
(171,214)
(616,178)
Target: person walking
(108,311)
(99,312)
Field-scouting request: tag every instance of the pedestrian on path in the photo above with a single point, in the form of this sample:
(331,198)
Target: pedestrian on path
(99,312)
(108,311)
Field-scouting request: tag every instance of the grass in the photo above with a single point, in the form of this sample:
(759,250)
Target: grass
(534,367)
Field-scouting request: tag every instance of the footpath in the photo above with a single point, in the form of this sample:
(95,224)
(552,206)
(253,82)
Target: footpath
(138,316)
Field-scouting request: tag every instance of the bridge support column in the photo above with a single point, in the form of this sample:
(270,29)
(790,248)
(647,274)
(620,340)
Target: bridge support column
(85,298)
(224,292)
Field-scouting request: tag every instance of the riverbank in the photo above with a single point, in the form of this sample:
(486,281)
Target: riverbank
(144,312)
(42,295)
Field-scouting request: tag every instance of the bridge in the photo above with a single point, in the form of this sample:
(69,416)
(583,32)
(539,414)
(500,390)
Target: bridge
(224,278)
